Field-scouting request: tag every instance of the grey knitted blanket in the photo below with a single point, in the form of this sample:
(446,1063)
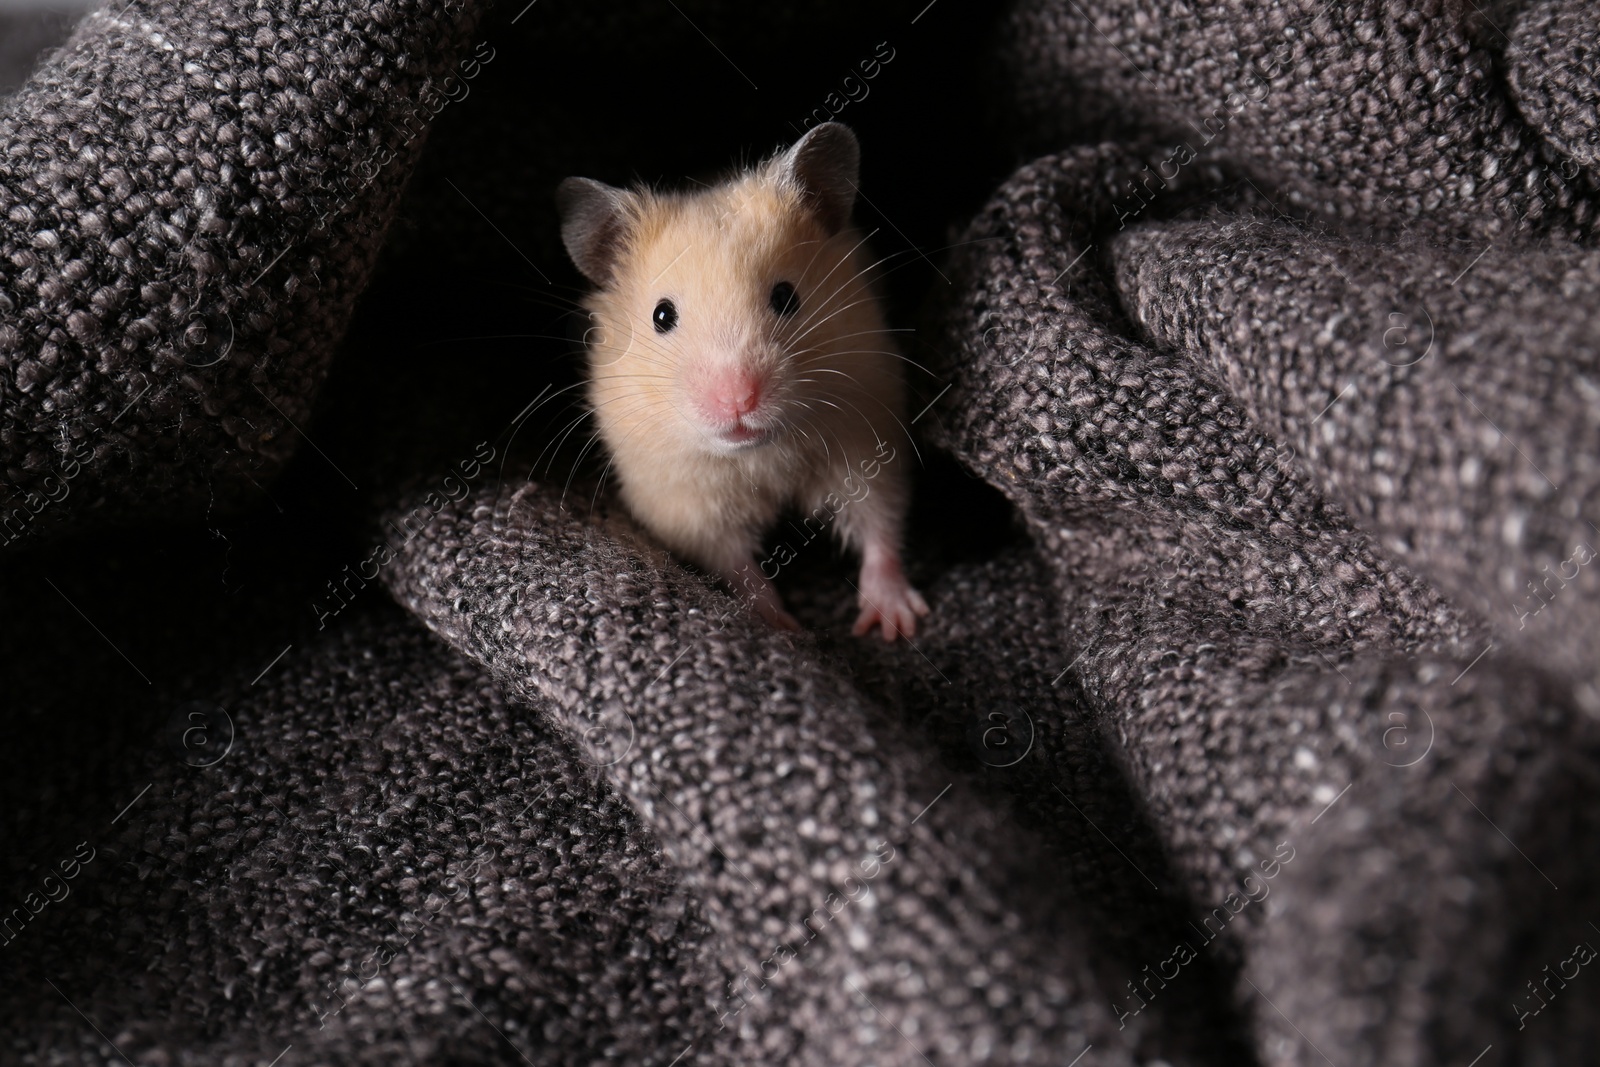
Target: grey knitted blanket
(1257,720)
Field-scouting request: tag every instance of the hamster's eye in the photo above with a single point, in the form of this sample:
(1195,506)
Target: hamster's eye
(785,301)
(665,316)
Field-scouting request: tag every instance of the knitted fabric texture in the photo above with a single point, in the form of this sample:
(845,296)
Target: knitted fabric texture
(193,196)
(1257,716)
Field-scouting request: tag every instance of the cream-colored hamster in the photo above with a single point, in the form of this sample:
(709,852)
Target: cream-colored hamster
(739,363)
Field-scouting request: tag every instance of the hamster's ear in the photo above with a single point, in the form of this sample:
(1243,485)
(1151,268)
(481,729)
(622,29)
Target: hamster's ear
(824,165)
(594,219)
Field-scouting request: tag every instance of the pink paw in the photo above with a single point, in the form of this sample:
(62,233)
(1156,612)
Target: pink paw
(887,600)
(771,609)
(761,594)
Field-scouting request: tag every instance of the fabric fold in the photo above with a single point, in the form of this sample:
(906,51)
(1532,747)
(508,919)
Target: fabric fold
(368,835)
(1448,400)
(1268,670)
(191,199)
(777,789)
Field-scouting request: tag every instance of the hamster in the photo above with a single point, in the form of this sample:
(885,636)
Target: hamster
(739,363)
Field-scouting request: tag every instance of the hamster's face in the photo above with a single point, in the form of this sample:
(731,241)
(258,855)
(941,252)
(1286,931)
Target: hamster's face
(722,322)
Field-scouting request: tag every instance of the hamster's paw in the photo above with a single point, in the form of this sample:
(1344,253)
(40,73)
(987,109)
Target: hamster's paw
(771,609)
(887,600)
(758,592)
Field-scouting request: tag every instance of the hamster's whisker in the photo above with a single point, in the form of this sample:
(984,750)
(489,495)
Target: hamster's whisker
(600,484)
(539,402)
(790,420)
(631,377)
(863,271)
(547,292)
(868,351)
(553,447)
(643,340)
(545,299)
(845,337)
(821,354)
(828,370)
(904,429)
(521,420)
(846,283)
(874,265)
(872,333)
(842,261)
(595,438)
(801,430)
(588,410)
(912,255)
(495,337)
(812,324)
(820,246)
(645,404)
(595,365)
(830,403)
(815,425)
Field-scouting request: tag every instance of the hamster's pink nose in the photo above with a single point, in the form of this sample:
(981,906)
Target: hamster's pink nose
(734,394)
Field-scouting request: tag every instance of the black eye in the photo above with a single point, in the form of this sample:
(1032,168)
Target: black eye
(665,316)
(785,301)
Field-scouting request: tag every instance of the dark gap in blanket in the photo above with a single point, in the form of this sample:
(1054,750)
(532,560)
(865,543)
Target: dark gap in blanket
(938,695)
(28,36)
(474,310)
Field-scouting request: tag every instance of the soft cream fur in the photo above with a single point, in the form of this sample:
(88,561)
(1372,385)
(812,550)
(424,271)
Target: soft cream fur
(837,408)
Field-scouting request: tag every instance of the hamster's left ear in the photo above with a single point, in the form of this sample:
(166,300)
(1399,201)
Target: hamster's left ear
(824,166)
(594,219)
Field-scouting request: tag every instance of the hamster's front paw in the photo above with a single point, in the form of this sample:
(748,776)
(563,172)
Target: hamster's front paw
(887,600)
(757,591)
(772,610)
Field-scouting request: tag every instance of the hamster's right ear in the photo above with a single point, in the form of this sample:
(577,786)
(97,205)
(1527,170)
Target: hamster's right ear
(824,166)
(594,219)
